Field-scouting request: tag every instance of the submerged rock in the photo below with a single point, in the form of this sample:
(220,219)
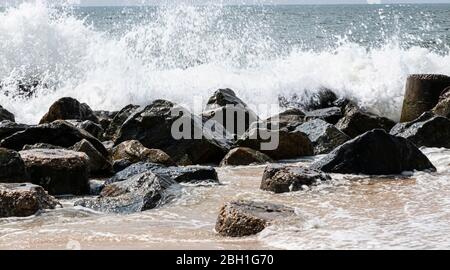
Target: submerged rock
(427,130)
(68,108)
(375,153)
(98,164)
(111,132)
(244,218)
(58,171)
(155,124)
(134,151)
(244,156)
(330,115)
(8,128)
(282,178)
(6,115)
(324,136)
(356,122)
(284,144)
(58,133)
(12,167)
(443,106)
(140,192)
(22,200)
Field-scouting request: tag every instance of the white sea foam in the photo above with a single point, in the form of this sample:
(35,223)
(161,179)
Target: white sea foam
(177,55)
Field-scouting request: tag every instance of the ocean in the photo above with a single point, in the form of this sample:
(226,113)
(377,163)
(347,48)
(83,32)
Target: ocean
(109,57)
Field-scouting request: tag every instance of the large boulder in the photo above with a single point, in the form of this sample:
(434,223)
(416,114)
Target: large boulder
(278,144)
(98,164)
(443,106)
(282,178)
(6,115)
(59,171)
(310,100)
(289,119)
(92,128)
(324,136)
(427,130)
(140,192)
(187,174)
(357,121)
(111,132)
(244,218)
(331,115)
(134,151)
(12,167)
(244,156)
(105,118)
(169,127)
(8,128)
(223,105)
(68,108)
(58,133)
(422,94)
(375,153)
(22,200)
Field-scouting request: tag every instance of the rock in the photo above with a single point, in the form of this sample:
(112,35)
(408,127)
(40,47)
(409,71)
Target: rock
(244,156)
(310,100)
(244,218)
(375,153)
(289,119)
(12,167)
(428,130)
(92,128)
(187,174)
(134,151)
(58,171)
(41,146)
(68,108)
(291,144)
(324,136)
(356,122)
(98,164)
(331,115)
(22,200)
(224,104)
(58,133)
(422,94)
(105,118)
(112,131)
(8,128)
(96,187)
(154,127)
(120,165)
(140,192)
(6,115)
(109,146)
(282,178)
(443,106)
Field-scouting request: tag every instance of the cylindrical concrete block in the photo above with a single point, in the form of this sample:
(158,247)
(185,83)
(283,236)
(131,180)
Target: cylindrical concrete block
(422,94)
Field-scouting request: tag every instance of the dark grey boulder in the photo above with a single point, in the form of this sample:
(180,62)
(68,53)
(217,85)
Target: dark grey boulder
(443,106)
(105,118)
(375,153)
(330,115)
(6,115)
(92,128)
(289,119)
(283,178)
(98,164)
(324,136)
(41,146)
(12,167)
(68,108)
(309,100)
(8,128)
(111,132)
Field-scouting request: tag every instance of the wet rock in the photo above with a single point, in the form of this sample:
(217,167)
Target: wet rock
(422,94)
(187,174)
(21,200)
(282,144)
(324,136)
(134,151)
(330,115)
(356,122)
(105,118)
(58,133)
(310,100)
(190,144)
(120,165)
(111,132)
(225,104)
(58,171)
(96,187)
(8,128)
(140,192)
(41,146)
(109,146)
(244,218)
(12,167)
(428,130)
(244,156)
(68,108)
(443,106)
(92,128)
(98,164)
(375,153)
(289,119)
(282,178)
(6,115)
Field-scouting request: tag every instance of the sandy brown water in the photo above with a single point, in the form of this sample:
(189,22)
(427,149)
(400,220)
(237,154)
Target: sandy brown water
(349,212)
